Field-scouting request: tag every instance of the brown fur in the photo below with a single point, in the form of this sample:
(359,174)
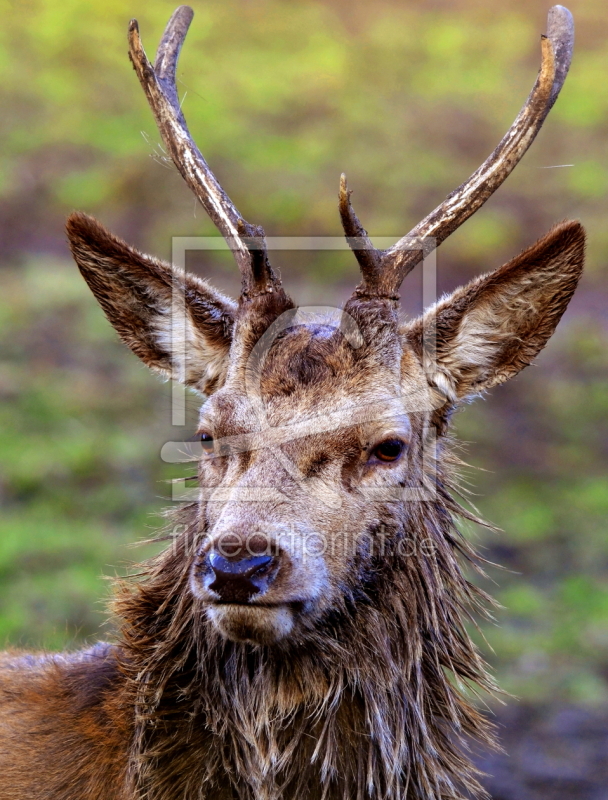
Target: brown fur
(355,681)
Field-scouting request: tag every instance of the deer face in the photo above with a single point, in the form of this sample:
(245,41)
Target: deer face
(314,462)
(301,477)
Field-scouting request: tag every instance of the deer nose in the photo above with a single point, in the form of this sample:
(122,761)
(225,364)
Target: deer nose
(237,581)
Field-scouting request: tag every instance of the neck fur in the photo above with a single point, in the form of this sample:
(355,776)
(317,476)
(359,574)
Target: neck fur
(372,704)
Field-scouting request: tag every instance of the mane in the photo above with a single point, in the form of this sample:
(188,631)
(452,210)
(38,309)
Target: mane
(373,701)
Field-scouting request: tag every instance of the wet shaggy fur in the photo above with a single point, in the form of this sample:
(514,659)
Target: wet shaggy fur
(363,705)
(369,695)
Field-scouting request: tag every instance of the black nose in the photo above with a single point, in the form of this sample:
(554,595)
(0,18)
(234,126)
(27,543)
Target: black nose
(237,581)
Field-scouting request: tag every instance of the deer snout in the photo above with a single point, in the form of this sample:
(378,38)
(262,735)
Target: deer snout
(237,580)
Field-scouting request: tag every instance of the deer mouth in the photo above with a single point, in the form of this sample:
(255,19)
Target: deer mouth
(253,623)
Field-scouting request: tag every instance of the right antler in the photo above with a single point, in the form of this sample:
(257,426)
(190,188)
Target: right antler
(158,82)
(384,270)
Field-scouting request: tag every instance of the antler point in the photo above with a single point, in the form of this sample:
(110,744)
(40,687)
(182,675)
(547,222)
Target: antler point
(345,192)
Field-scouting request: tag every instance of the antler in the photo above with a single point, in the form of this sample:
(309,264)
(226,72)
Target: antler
(384,270)
(246,241)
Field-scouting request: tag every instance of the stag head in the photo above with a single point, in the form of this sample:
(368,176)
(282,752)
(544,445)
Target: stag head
(321,445)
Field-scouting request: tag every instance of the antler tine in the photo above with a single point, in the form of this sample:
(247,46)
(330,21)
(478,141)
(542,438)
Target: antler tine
(560,31)
(384,271)
(167,54)
(245,240)
(368,257)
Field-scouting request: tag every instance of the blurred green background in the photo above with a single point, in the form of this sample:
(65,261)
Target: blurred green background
(407,98)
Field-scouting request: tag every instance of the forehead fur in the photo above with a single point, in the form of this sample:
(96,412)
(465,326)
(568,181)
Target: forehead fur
(308,355)
(317,366)
(313,368)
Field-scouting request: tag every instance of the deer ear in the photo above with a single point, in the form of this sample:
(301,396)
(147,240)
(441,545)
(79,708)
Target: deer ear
(176,323)
(487,331)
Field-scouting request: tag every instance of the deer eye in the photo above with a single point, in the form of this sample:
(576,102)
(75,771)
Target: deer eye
(206,440)
(389,450)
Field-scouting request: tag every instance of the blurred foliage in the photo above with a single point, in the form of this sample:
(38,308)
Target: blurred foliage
(79,434)
(407,99)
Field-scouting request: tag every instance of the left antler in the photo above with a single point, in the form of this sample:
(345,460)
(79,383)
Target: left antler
(384,270)
(158,82)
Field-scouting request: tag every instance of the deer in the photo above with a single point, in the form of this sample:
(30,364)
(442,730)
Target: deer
(305,633)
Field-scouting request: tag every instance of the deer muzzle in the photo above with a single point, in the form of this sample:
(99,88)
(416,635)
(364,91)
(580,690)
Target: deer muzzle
(256,587)
(237,580)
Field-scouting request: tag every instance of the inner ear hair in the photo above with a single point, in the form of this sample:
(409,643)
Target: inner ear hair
(490,329)
(138,295)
